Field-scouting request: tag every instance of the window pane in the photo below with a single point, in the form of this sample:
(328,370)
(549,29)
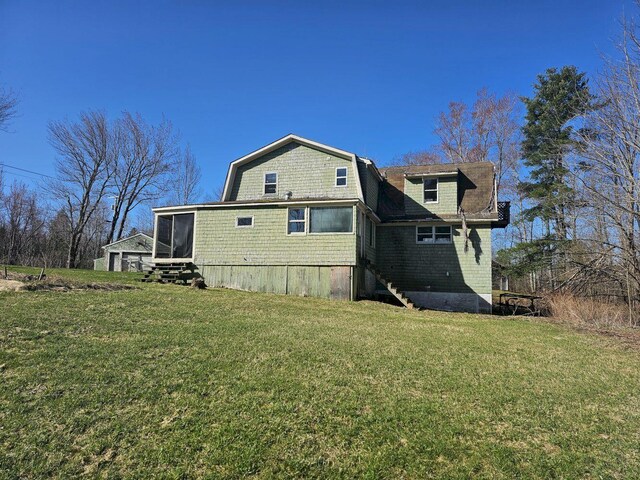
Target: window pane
(182,235)
(341,181)
(296,214)
(331,219)
(430,183)
(424,234)
(341,172)
(245,221)
(431,196)
(270,178)
(163,236)
(296,227)
(443,234)
(270,188)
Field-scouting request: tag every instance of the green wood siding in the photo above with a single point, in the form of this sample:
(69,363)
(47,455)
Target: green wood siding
(219,242)
(303,171)
(313,281)
(370,186)
(98,264)
(416,267)
(447,197)
(132,245)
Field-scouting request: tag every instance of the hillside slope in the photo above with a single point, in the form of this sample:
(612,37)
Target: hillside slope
(169,381)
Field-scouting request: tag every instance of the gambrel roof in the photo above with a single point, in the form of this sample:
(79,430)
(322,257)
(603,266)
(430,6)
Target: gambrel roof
(475,185)
(291,138)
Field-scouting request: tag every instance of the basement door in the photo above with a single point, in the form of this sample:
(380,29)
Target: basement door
(341,283)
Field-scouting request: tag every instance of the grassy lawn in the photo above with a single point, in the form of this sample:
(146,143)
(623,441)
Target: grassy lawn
(173,382)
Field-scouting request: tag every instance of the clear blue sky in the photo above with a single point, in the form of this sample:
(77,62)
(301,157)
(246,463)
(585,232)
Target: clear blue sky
(365,76)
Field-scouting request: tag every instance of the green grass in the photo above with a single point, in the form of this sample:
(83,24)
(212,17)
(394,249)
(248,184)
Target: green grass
(172,382)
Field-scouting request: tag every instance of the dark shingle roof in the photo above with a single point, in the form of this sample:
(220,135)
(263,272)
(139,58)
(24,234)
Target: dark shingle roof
(475,188)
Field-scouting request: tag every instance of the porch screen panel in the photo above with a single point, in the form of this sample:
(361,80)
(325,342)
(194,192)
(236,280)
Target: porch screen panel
(183,235)
(163,237)
(331,219)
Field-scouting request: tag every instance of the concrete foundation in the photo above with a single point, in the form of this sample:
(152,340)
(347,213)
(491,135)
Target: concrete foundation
(452,302)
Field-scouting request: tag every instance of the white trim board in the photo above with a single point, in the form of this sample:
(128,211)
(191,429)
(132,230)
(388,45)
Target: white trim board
(204,206)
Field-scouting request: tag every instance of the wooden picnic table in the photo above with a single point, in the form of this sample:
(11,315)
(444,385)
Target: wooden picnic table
(511,302)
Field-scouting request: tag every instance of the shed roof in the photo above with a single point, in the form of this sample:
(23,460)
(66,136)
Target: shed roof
(147,237)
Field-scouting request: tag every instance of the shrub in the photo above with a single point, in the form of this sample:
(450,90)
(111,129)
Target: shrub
(586,311)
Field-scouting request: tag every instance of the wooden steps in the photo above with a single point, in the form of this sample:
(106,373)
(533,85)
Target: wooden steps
(174,272)
(406,301)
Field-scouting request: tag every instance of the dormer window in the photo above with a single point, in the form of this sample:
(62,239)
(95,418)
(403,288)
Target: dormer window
(270,183)
(341,177)
(430,189)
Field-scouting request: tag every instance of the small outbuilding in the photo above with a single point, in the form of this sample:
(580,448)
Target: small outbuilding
(129,254)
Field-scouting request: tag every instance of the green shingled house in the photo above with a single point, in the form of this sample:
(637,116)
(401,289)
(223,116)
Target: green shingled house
(302,218)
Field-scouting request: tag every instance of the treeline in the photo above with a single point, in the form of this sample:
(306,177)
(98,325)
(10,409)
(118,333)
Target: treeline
(568,159)
(108,175)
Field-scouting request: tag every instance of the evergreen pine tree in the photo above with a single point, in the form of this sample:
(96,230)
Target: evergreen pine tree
(560,96)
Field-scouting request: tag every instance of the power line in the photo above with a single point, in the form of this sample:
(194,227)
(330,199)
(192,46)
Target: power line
(21,175)
(27,171)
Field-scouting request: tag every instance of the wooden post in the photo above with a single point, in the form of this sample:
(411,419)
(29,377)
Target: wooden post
(5,273)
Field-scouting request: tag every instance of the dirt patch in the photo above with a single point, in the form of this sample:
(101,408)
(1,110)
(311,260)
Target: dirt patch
(628,337)
(11,285)
(20,282)
(65,286)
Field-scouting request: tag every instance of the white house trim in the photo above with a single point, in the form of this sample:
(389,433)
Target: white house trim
(205,206)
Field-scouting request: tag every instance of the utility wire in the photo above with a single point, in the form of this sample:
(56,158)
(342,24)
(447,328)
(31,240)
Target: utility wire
(35,179)
(27,171)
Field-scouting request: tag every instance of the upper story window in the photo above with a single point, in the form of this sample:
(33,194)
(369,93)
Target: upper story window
(270,183)
(341,177)
(430,189)
(296,220)
(434,234)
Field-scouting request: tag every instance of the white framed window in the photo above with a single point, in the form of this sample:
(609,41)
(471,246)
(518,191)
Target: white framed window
(430,190)
(270,183)
(331,220)
(296,221)
(244,222)
(341,177)
(434,234)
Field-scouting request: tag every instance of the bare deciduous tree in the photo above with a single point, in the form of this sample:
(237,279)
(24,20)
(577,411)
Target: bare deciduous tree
(421,157)
(8,107)
(488,131)
(608,168)
(187,179)
(22,224)
(146,155)
(86,154)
